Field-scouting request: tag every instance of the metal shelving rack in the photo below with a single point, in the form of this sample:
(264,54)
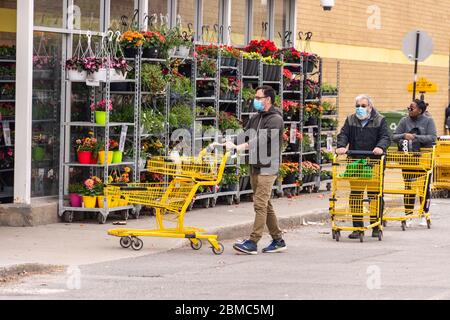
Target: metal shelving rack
(65,211)
(313,130)
(6,123)
(331,133)
(295,124)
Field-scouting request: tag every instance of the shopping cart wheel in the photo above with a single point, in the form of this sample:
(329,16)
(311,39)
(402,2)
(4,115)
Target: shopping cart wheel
(101,218)
(205,203)
(403,225)
(361,236)
(125,242)
(68,216)
(197,246)
(137,244)
(220,251)
(338,235)
(380,235)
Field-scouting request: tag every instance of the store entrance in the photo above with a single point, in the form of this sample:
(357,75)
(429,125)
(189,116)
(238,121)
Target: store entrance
(7,97)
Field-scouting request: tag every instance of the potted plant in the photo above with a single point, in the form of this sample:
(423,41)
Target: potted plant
(181,116)
(244,173)
(92,188)
(266,48)
(272,69)
(130,42)
(306,143)
(230,56)
(329,90)
(180,87)
(100,108)
(102,153)
(290,109)
(76,70)
(154,42)
(208,111)
(43,66)
(152,122)
(227,121)
(312,113)
(75,198)
(251,63)
(291,55)
(310,62)
(7,52)
(205,89)
(153,78)
(206,66)
(117,154)
(38,149)
(293,147)
(87,149)
(230,179)
(118,69)
(8,92)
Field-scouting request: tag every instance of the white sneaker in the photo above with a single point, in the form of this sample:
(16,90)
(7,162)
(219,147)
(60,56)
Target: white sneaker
(409,223)
(423,222)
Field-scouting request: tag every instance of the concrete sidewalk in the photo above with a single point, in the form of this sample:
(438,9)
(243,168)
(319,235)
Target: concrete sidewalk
(87,242)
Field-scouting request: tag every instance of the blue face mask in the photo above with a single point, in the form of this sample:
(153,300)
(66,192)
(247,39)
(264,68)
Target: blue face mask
(258,105)
(361,113)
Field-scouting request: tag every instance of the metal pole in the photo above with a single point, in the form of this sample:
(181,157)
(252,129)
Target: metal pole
(416,62)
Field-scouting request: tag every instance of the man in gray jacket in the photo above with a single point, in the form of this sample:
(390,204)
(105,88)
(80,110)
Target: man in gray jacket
(265,133)
(418,131)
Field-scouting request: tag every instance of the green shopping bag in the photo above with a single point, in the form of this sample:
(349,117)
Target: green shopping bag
(358,169)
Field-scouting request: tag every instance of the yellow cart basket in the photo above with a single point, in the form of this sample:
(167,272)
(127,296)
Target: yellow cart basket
(171,200)
(357,193)
(407,185)
(441,181)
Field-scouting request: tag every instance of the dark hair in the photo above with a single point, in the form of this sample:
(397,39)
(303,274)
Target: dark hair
(268,92)
(422,105)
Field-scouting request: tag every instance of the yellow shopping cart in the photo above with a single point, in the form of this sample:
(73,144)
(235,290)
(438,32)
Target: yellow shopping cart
(407,178)
(172,199)
(441,181)
(357,193)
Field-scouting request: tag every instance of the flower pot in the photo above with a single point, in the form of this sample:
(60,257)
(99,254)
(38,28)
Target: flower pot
(293,59)
(117,75)
(94,160)
(255,67)
(289,179)
(101,202)
(75,200)
(100,117)
(102,156)
(225,61)
(171,52)
(233,62)
(268,73)
(117,156)
(151,53)
(130,52)
(84,157)
(246,67)
(276,73)
(99,75)
(205,93)
(38,153)
(183,51)
(123,202)
(312,121)
(76,76)
(115,202)
(308,64)
(89,202)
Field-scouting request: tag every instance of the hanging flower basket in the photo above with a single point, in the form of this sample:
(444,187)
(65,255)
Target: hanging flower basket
(77,76)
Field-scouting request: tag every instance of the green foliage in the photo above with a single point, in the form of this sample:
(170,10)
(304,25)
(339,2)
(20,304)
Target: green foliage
(76,188)
(181,85)
(230,177)
(153,79)
(181,116)
(153,122)
(228,121)
(248,93)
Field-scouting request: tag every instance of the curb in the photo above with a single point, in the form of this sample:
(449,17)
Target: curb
(15,272)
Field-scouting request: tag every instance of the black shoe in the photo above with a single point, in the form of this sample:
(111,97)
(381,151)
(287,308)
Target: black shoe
(354,235)
(375,233)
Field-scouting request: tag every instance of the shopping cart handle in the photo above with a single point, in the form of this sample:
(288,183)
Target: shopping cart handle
(362,153)
(120,184)
(133,189)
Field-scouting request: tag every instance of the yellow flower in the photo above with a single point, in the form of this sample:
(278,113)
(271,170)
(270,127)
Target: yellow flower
(127,169)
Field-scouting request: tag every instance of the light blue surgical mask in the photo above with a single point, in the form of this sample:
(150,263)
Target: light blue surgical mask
(362,113)
(258,105)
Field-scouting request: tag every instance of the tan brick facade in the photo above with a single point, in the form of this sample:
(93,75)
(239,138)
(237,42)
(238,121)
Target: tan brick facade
(384,77)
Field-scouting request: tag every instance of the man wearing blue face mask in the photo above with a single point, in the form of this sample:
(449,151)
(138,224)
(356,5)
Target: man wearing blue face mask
(365,130)
(264,147)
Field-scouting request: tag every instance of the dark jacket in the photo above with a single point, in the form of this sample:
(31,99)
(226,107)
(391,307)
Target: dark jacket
(374,134)
(272,121)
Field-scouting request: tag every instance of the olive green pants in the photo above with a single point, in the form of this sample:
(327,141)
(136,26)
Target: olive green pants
(264,212)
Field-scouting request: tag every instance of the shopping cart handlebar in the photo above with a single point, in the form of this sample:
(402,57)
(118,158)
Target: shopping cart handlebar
(363,153)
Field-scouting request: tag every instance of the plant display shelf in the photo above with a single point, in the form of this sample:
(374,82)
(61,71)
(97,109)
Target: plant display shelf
(101,170)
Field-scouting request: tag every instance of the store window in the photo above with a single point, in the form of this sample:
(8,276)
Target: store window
(186,15)
(120,8)
(210,25)
(7,98)
(281,38)
(46,108)
(238,22)
(158,7)
(90,14)
(48,13)
(260,12)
